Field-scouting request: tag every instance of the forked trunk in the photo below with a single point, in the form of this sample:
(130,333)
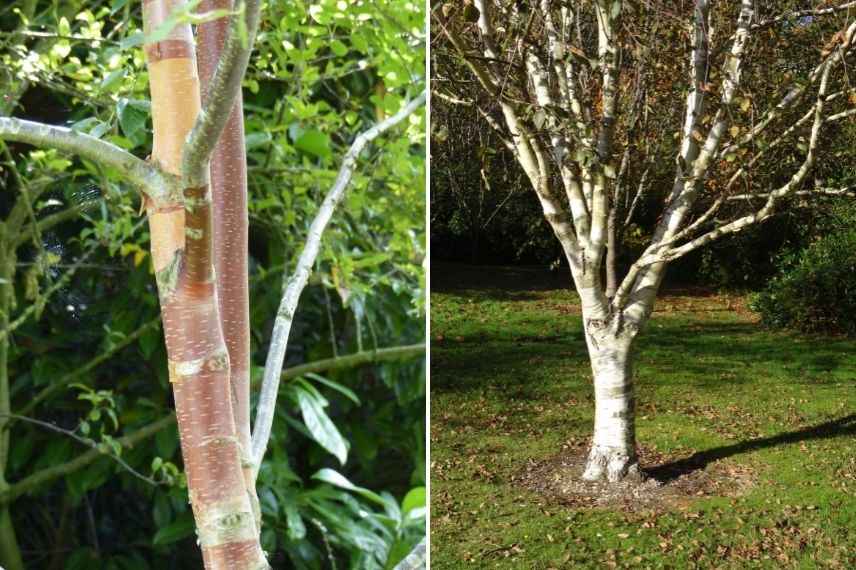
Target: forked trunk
(181,241)
(613,451)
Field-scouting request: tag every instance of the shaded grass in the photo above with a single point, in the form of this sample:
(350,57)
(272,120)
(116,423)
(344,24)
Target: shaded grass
(510,384)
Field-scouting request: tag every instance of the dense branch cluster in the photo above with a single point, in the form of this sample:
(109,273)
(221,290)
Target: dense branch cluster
(573,88)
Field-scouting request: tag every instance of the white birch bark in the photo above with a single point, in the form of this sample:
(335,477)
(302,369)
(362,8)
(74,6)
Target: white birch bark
(613,450)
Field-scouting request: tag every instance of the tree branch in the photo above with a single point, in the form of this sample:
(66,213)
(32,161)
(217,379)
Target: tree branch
(295,285)
(92,364)
(82,440)
(49,474)
(145,177)
(813,13)
(221,95)
(46,223)
(354,360)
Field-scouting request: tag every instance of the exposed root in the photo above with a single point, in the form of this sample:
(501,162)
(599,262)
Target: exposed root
(612,464)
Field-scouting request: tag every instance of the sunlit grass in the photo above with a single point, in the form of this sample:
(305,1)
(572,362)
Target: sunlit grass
(510,383)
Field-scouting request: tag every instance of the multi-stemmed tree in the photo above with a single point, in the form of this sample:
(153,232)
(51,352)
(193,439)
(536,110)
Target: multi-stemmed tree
(195,195)
(582,93)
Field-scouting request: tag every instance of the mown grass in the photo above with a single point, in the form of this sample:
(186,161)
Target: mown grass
(510,384)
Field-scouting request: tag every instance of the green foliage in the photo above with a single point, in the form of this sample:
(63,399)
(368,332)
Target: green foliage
(814,290)
(321,74)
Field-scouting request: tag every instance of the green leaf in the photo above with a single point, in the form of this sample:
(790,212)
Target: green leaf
(372,260)
(180,528)
(134,40)
(161,510)
(132,120)
(64,28)
(314,142)
(320,426)
(117,5)
(296,528)
(347,392)
(337,479)
(112,79)
(149,341)
(254,140)
(413,500)
(338,48)
(166,442)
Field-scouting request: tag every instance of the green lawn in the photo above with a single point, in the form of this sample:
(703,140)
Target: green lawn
(511,387)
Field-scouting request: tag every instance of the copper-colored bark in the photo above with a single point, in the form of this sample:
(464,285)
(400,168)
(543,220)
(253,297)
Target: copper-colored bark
(229,198)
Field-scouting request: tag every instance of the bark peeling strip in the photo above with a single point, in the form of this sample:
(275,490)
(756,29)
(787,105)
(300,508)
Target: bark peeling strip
(225,522)
(167,278)
(216,361)
(168,49)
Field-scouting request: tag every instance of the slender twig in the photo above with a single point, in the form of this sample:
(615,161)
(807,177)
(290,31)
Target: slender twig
(354,360)
(47,223)
(50,36)
(295,285)
(847,191)
(810,13)
(14,490)
(144,176)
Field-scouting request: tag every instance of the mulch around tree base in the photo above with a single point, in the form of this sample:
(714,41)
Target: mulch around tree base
(668,481)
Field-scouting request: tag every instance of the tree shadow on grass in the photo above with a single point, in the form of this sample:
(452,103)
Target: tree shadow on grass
(834,428)
(704,354)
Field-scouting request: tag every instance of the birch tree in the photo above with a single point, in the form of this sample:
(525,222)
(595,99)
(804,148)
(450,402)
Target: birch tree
(581,93)
(193,188)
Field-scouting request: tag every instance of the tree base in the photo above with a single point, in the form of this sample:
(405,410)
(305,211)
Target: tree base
(612,464)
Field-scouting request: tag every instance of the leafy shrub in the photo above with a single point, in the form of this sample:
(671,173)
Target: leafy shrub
(815,288)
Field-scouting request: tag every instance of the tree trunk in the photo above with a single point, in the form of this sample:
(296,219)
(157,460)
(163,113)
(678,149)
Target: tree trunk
(181,242)
(229,198)
(613,451)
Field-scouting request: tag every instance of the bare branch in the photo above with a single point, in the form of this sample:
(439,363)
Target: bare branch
(490,120)
(846,191)
(148,179)
(295,285)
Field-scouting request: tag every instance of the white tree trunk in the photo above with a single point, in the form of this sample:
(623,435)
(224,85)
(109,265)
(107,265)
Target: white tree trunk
(613,451)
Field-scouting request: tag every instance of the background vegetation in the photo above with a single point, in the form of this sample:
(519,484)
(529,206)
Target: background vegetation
(84,351)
